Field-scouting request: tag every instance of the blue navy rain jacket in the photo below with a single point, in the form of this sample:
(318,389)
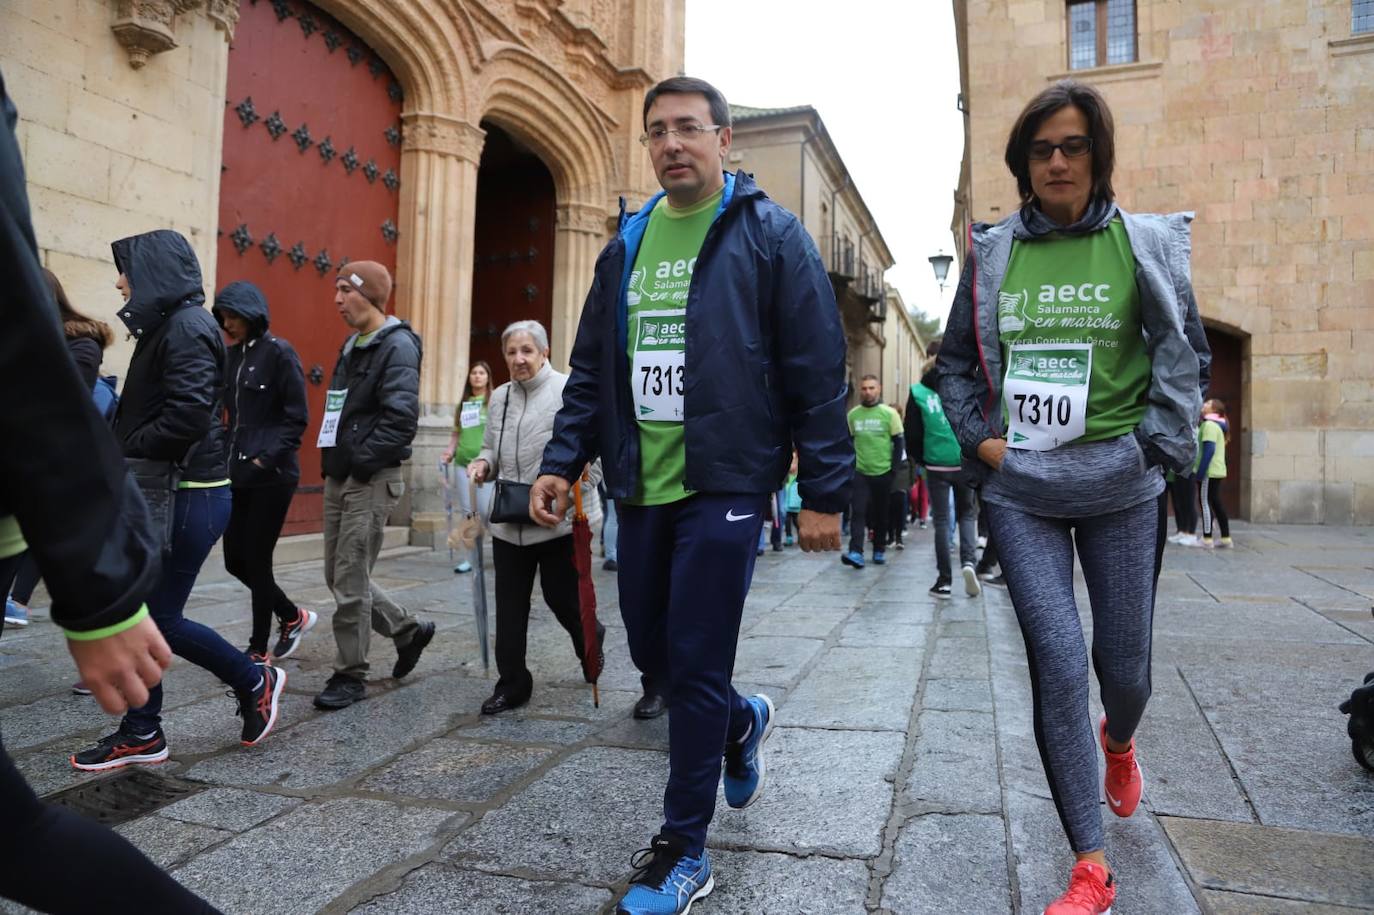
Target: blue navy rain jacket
(765,362)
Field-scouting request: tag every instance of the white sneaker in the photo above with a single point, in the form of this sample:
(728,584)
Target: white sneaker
(1185,539)
(971,586)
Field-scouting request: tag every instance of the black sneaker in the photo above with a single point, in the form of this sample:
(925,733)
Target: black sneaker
(259,707)
(291,633)
(340,692)
(409,656)
(610,565)
(120,749)
(260,658)
(997,581)
(940,589)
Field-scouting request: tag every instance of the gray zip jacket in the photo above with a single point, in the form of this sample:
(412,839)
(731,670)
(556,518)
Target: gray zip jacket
(970,363)
(528,425)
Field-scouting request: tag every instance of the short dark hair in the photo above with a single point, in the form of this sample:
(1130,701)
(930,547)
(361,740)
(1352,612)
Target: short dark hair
(1100,127)
(869,377)
(687,85)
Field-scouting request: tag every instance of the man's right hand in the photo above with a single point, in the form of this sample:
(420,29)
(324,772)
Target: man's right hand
(120,669)
(549,500)
(991,451)
(477,471)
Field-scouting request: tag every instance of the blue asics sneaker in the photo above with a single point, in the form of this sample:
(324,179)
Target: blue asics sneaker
(744,768)
(853,559)
(667,880)
(879,558)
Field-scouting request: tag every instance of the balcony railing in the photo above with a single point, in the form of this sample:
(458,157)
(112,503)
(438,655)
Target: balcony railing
(838,252)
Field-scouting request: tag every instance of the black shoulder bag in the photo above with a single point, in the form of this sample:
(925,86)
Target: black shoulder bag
(510,503)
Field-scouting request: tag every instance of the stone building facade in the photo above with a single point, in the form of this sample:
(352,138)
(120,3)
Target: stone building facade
(790,153)
(1257,117)
(229,120)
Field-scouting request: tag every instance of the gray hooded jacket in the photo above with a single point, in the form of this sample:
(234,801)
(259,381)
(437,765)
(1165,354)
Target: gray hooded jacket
(970,363)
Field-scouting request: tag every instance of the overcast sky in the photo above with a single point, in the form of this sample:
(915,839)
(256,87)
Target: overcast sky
(884,76)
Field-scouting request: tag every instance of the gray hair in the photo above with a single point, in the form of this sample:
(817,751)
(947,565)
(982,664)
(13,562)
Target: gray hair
(536,331)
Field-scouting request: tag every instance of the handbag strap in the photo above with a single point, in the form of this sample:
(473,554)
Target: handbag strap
(501,439)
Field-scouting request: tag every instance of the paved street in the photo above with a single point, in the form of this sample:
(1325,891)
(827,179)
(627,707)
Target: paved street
(903,775)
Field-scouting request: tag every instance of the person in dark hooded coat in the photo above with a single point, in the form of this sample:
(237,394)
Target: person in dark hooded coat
(169,412)
(264,401)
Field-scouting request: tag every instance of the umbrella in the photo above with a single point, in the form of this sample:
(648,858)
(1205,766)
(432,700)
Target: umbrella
(446,483)
(586,593)
(468,536)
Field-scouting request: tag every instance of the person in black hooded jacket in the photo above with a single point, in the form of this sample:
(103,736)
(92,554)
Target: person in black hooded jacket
(99,572)
(264,400)
(170,412)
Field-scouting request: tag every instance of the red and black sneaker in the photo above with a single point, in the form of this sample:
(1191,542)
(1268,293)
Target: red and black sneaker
(291,633)
(259,707)
(121,749)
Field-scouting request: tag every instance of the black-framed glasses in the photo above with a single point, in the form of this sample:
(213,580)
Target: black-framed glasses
(657,136)
(1071,147)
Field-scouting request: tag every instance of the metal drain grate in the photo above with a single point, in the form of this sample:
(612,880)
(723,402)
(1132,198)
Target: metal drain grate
(124,797)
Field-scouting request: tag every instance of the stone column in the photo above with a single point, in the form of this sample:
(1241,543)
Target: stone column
(438,207)
(581,231)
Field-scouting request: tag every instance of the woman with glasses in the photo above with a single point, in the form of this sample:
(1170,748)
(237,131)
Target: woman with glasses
(1072,369)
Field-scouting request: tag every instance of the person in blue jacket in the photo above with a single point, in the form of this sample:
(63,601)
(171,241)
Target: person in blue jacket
(709,346)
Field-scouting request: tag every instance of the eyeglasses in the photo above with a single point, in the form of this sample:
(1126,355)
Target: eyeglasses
(1071,147)
(657,136)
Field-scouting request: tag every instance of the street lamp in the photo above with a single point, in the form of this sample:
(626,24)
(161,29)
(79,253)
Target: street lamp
(940,264)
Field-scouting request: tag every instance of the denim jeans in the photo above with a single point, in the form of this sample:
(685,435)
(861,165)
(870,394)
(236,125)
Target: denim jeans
(610,529)
(201,516)
(943,485)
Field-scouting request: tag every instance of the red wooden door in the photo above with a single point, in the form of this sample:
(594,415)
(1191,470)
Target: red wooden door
(512,276)
(312,158)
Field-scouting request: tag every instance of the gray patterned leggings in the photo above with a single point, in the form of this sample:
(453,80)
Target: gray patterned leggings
(1120,553)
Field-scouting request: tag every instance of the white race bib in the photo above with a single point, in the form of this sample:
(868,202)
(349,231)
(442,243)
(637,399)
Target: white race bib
(1045,393)
(658,370)
(333,409)
(471,416)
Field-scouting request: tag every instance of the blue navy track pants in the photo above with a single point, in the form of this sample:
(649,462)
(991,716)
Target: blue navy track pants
(684,573)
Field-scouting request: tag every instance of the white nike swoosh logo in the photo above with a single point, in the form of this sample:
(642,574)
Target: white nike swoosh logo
(731,516)
(1113,801)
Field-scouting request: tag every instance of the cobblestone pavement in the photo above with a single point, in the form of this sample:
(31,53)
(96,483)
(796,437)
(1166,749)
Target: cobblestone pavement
(903,775)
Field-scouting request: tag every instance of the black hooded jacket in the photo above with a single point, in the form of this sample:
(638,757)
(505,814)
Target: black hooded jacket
(264,395)
(169,409)
(85,522)
(382,409)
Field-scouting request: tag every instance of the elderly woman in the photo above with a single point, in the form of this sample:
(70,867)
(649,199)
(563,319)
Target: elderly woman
(1072,370)
(519,425)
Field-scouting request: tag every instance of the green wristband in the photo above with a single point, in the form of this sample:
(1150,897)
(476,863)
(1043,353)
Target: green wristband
(96,634)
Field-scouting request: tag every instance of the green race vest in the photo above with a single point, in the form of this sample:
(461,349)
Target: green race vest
(1081,290)
(657,344)
(872,429)
(938,442)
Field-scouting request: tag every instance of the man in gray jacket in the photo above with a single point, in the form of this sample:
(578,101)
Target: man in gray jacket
(371,411)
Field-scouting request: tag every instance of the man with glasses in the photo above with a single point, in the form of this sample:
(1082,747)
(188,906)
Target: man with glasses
(709,345)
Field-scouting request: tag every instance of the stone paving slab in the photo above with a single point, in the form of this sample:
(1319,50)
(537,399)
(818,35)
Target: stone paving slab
(950,863)
(1246,858)
(313,854)
(579,822)
(457,771)
(808,770)
(445,888)
(870,688)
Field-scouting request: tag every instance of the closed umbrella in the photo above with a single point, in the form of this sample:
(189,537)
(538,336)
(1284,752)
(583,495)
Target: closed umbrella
(468,536)
(586,594)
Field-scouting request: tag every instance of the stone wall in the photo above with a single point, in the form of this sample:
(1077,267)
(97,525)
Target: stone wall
(111,150)
(1257,116)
